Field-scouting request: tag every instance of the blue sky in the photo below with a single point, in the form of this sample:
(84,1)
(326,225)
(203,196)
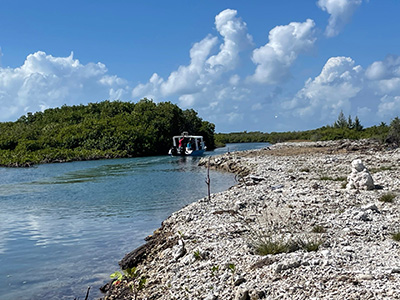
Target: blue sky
(274,65)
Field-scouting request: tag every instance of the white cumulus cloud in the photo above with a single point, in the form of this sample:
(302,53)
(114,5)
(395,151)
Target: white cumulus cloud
(331,91)
(189,79)
(236,38)
(373,94)
(340,12)
(385,75)
(384,81)
(201,76)
(45,81)
(274,59)
(389,106)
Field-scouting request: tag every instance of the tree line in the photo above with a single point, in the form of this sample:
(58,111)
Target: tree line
(342,128)
(112,129)
(107,129)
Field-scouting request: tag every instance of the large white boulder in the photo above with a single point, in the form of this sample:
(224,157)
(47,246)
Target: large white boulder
(360,178)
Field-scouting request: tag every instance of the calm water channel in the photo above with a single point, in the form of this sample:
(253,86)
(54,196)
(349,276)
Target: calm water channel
(64,227)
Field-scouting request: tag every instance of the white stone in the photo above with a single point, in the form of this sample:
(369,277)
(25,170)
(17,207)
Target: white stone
(360,178)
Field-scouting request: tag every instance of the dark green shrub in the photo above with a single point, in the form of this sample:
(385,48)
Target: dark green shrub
(394,132)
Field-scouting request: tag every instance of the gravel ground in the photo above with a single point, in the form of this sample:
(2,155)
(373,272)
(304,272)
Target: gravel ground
(326,241)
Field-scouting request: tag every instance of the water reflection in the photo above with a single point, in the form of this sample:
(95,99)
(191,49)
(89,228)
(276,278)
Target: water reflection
(64,226)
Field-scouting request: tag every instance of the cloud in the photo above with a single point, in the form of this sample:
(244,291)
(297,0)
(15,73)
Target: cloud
(389,106)
(45,81)
(384,81)
(149,90)
(205,69)
(274,59)
(373,94)
(340,12)
(189,79)
(331,91)
(385,75)
(236,38)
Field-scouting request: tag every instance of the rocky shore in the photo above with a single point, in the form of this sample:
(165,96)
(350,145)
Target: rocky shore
(292,228)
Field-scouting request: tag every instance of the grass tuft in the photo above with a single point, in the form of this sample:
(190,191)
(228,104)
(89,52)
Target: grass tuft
(268,246)
(396,236)
(275,247)
(388,198)
(380,169)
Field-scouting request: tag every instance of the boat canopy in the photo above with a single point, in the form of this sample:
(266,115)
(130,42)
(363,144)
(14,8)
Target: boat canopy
(186,144)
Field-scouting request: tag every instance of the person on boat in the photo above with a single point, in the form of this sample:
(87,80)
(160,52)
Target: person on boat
(181,142)
(181,145)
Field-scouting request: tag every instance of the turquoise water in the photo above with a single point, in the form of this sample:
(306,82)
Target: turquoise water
(64,227)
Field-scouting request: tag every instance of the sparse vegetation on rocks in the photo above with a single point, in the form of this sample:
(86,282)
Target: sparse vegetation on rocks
(340,178)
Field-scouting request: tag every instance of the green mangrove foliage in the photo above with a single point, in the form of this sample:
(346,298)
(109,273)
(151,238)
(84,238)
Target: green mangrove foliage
(107,129)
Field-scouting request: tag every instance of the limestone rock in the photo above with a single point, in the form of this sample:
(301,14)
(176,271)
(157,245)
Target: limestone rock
(179,250)
(360,178)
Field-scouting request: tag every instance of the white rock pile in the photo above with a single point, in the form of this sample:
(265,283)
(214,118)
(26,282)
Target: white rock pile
(341,239)
(360,178)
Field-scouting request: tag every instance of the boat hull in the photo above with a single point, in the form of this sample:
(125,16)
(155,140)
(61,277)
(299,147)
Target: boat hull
(197,153)
(186,153)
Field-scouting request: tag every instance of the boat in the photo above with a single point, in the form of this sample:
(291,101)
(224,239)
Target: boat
(187,145)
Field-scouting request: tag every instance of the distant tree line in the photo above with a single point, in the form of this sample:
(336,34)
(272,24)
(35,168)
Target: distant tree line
(112,129)
(342,128)
(107,129)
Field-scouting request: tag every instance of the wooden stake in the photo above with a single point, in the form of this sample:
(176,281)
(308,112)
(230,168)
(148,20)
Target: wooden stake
(87,293)
(208,181)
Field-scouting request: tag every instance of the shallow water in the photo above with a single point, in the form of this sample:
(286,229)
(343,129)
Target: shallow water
(64,227)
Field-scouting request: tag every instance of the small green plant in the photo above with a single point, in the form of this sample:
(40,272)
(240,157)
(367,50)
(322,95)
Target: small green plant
(232,267)
(197,255)
(306,170)
(318,229)
(396,236)
(388,197)
(214,270)
(131,274)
